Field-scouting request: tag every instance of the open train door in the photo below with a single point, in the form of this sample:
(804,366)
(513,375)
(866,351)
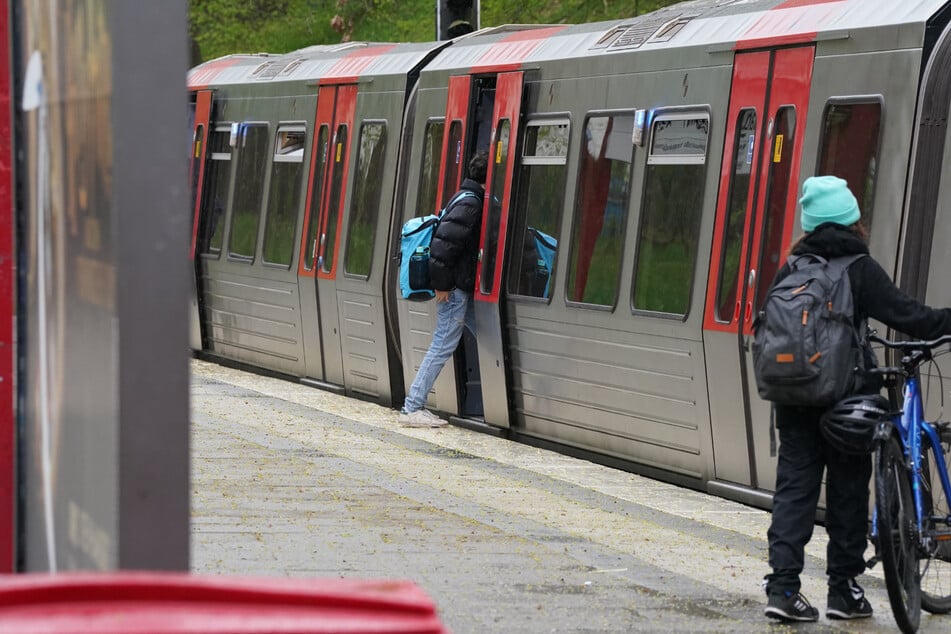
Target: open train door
(754,224)
(491,335)
(320,240)
(202,117)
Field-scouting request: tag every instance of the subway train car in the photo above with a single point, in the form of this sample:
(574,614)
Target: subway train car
(641,194)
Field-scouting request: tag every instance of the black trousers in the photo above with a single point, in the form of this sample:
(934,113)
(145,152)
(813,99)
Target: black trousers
(803,456)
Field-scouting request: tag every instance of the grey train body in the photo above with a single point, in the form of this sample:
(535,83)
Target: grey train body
(642,190)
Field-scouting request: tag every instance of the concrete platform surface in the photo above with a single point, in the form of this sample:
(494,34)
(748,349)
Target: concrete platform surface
(292,480)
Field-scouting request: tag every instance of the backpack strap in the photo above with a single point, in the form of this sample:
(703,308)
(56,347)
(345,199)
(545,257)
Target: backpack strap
(459,196)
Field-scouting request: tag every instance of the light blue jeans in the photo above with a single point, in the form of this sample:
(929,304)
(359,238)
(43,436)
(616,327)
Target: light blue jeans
(451,318)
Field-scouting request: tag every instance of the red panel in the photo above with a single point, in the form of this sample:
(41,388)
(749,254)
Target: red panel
(7,301)
(508,105)
(349,68)
(343,115)
(509,52)
(750,71)
(199,151)
(173,603)
(457,109)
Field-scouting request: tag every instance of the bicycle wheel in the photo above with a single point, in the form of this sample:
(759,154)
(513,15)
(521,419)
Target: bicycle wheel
(897,536)
(936,572)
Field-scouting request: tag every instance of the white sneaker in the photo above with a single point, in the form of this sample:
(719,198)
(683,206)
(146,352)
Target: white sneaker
(421,418)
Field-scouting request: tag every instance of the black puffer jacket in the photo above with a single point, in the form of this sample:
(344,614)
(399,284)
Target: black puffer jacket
(455,244)
(874,296)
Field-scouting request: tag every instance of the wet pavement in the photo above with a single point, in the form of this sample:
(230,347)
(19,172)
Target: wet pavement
(291,480)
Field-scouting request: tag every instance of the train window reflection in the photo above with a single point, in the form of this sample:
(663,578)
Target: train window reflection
(851,137)
(498,159)
(600,213)
(364,210)
(338,163)
(429,168)
(538,205)
(317,189)
(670,217)
(732,241)
(284,194)
(214,198)
(249,190)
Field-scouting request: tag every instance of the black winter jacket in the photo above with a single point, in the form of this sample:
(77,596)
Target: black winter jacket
(874,296)
(455,244)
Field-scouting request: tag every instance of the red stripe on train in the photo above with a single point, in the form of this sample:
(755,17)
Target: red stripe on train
(509,52)
(349,68)
(792,22)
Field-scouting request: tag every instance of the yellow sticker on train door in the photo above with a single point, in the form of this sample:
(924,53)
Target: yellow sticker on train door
(498,152)
(778,149)
(339,151)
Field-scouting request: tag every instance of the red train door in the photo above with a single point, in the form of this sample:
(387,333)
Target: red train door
(754,225)
(8,487)
(489,321)
(200,131)
(320,241)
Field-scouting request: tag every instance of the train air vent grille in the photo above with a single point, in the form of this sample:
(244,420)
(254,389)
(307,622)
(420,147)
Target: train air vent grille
(287,70)
(639,33)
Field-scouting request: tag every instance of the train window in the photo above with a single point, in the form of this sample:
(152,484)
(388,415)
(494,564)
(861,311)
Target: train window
(777,193)
(249,189)
(538,204)
(732,241)
(851,135)
(364,211)
(670,217)
(287,172)
(498,159)
(317,189)
(328,239)
(453,163)
(429,169)
(214,198)
(600,213)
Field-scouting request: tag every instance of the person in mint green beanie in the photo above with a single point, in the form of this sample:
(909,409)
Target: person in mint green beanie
(833,227)
(827,199)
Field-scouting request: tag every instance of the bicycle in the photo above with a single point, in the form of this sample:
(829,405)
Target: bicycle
(911,523)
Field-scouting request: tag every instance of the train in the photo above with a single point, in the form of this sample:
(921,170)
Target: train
(659,156)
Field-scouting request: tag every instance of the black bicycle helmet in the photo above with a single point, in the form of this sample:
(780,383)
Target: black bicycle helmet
(850,424)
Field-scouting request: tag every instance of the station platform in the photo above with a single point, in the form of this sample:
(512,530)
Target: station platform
(290,480)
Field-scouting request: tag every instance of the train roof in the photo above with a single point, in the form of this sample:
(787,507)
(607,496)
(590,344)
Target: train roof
(715,24)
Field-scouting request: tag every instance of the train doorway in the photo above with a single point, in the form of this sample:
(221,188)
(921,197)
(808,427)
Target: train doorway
(320,242)
(201,121)
(754,224)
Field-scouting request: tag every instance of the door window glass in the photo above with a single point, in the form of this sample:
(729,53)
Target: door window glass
(453,163)
(498,159)
(670,222)
(732,242)
(249,190)
(214,199)
(316,191)
(364,211)
(337,167)
(777,194)
(600,213)
(287,172)
(537,209)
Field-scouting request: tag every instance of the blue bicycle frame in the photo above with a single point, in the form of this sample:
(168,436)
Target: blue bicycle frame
(911,425)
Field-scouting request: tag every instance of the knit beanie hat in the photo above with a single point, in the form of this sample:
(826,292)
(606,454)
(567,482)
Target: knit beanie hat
(827,199)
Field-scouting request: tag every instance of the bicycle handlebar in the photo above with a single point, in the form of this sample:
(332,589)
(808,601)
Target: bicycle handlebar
(911,344)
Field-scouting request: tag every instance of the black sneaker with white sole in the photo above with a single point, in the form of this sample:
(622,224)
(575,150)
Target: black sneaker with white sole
(848,603)
(790,606)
